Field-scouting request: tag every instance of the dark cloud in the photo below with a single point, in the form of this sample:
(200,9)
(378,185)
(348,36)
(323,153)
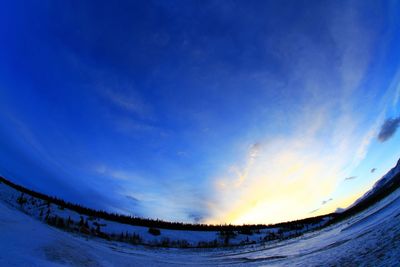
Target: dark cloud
(373,170)
(350,178)
(388,129)
(197,218)
(326,201)
(323,203)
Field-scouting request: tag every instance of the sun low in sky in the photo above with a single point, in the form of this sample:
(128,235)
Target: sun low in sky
(200,111)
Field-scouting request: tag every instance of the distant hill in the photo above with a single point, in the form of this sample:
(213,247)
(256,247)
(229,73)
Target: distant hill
(387,181)
(382,188)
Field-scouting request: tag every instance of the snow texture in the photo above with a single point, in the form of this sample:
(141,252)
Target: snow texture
(371,238)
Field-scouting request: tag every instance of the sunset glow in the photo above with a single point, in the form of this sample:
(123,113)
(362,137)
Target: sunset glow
(203,112)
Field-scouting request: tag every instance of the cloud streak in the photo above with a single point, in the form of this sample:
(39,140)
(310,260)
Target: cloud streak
(326,201)
(129,101)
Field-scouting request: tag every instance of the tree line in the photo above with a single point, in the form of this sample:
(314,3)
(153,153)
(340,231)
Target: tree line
(156,223)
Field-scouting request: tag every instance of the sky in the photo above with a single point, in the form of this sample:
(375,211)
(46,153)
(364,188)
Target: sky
(200,111)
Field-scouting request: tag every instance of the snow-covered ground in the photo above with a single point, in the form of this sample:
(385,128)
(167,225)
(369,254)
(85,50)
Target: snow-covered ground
(371,238)
(39,209)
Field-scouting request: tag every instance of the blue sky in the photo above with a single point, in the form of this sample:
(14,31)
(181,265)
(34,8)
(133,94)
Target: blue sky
(200,111)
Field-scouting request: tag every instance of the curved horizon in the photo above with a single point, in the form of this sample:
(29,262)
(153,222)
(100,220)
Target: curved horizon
(200,112)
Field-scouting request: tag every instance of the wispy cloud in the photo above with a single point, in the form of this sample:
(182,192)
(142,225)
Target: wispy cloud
(133,199)
(350,178)
(130,101)
(169,199)
(388,129)
(326,201)
(128,112)
(396,86)
(116,174)
(131,126)
(287,174)
(313,211)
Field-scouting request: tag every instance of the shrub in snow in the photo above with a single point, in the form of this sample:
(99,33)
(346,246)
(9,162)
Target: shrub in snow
(154,231)
(246,231)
